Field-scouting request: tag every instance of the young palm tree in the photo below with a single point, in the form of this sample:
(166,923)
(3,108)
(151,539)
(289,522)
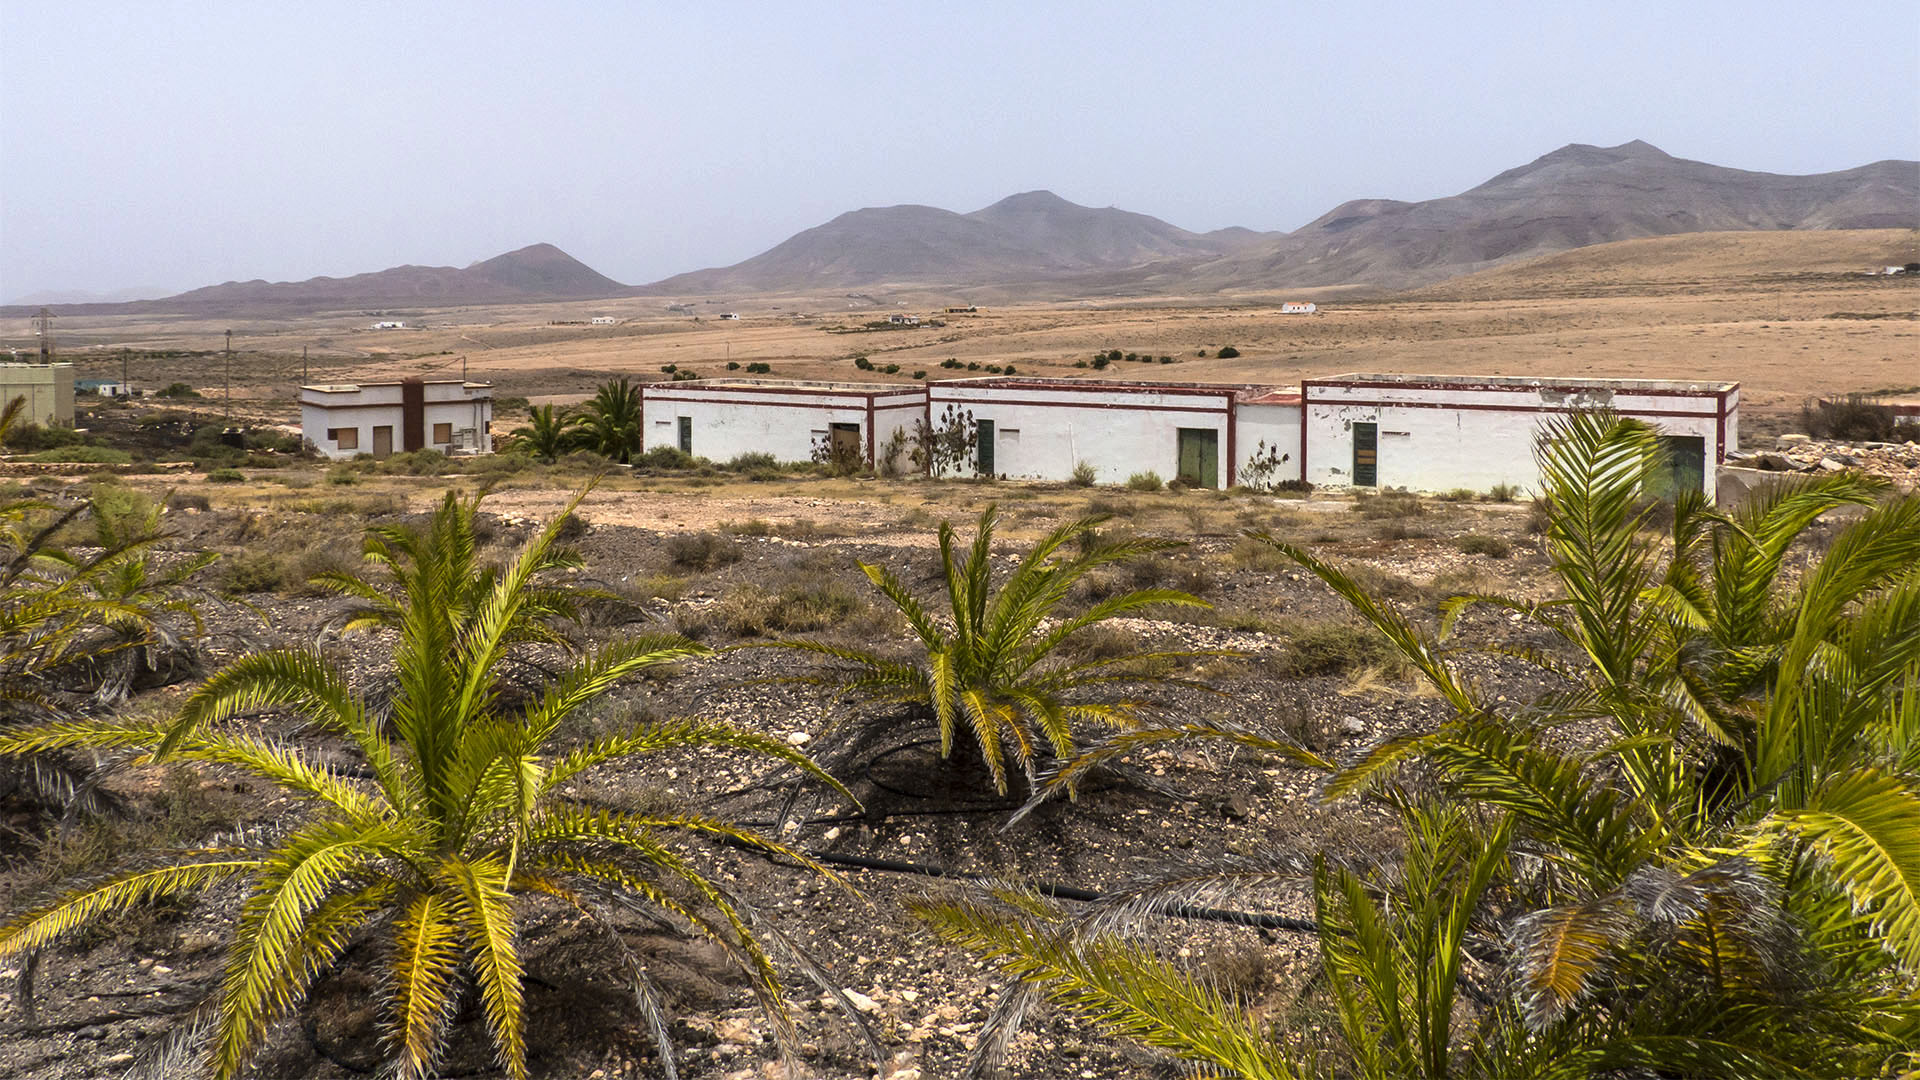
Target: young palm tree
(458,828)
(1725,883)
(611,424)
(444,559)
(75,627)
(991,662)
(547,433)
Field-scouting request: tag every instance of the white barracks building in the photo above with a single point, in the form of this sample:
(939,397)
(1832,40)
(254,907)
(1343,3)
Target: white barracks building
(343,420)
(1357,431)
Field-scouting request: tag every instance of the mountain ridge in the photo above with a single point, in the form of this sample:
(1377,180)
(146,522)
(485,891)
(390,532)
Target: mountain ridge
(1036,243)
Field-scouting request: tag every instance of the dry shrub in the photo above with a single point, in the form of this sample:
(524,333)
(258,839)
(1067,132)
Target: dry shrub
(1251,554)
(702,551)
(1493,547)
(1102,643)
(1330,647)
(1389,504)
(752,611)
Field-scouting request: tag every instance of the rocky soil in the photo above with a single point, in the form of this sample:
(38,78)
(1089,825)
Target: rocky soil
(100,1000)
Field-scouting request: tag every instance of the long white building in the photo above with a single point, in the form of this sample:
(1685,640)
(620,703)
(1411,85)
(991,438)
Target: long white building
(1441,432)
(1355,431)
(720,419)
(343,420)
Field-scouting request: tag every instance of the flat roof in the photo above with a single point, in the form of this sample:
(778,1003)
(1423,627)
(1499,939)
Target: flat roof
(348,388)
(795,386)
(1501,382)
(1240,391)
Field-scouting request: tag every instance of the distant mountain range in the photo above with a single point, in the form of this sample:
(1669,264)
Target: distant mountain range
(1044,245)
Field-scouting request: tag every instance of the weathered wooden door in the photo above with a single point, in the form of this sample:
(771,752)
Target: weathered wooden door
(844,443)
(383,441)
(1199,462)
(983,452)
(1366,455)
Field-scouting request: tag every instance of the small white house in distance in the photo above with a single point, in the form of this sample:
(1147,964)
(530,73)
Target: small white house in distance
(720,419)
(604,320)
(732,315)
(1441,432)
(904,320)
(1294,307)
(1039,429)
(390,325)
(380,418)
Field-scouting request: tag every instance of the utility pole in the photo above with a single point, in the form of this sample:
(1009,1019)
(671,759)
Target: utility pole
(303,365)
(463,367)
(229,378)
(43,325)
(126,388)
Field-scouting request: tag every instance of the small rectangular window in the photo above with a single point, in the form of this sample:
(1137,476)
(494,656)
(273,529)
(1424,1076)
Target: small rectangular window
(344,438)
(442,434)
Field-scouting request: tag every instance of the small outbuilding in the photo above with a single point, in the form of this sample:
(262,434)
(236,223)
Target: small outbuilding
(47,388)
(720,419)
(1442,432)
(1293,307)
(343,420)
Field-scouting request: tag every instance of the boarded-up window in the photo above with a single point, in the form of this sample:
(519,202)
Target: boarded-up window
(345,438)
(442,434)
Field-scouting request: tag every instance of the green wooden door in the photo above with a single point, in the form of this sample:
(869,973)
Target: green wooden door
(686,434)
(1683,466)
(1199,457)
(1366,455)
(983,459)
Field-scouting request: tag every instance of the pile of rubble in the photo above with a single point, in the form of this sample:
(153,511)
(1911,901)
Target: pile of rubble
(1899,462)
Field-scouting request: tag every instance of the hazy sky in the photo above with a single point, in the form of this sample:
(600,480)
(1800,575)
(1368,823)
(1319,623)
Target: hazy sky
(176,145)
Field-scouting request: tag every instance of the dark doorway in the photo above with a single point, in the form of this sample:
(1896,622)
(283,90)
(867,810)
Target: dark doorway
(686,434)
(844,442)
(983,453)
(1682,466)
(1199,463)
(413,414)
(1366,455)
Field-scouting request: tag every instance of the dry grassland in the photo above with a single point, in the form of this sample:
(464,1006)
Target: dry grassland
(1786,314)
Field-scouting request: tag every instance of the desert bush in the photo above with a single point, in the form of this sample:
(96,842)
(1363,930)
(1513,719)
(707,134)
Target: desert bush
(753,611)
(1493,547)
(1317,647)
(665,457)
(1855,418)
(753,461)
(1503,493)
(180,500)
(226,476)
(702,551)
(1145,481)
(1251,554)
(1084,474)
(1227,352)
(1388,504)
(1460,495)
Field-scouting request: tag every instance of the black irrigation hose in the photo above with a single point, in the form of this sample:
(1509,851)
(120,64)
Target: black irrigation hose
(1052,889)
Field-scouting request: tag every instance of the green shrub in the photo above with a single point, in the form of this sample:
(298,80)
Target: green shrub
(702,551)
(1145,481)
(1503,493)
(1493,547)
(751,611)
(892,369)
(28,437)
(759,369)
(343,476)
(1227,352)
(919,374)
(83,455)
(1084,474)
(1460,495)
(179,391)
(665,457)
(752,461)
(226,476)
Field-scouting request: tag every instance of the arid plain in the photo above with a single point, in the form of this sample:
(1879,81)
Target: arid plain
(1788,315)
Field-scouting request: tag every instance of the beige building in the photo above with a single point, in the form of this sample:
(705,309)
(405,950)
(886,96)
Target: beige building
(48,389)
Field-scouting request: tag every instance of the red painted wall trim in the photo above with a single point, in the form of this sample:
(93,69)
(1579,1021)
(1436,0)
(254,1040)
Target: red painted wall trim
(1517,388)
(1466,407)
(1090,386)
(869,432)
(671,391)
(1081,405)
(829,406)
(1233,425)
